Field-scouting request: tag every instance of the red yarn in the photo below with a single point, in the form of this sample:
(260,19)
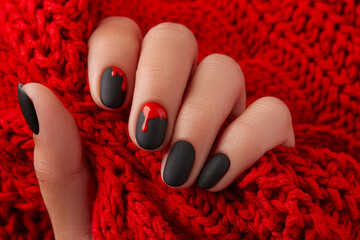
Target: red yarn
(304,52)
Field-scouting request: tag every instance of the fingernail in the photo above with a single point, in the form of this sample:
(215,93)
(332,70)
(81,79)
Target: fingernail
(213,171)
(179,163)
(151,126)
(28,110)
(113,87)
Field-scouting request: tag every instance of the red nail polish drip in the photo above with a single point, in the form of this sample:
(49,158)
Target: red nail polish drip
(152,110)
(119,72)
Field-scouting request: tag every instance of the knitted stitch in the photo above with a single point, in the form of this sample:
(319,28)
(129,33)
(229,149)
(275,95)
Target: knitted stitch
(306,53)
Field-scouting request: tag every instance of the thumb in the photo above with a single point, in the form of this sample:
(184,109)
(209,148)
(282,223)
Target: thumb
(64,176)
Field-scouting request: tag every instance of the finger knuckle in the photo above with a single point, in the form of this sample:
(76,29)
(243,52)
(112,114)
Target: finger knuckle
(110,19)
(119,20)
(104,34)
(44,173)
(276,105)
(196,114)
(154,72)
(221,60)
(216,62)
(197,107)
(169,29)
(50,171)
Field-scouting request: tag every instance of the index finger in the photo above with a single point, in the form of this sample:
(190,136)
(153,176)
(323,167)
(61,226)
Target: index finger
(113,55)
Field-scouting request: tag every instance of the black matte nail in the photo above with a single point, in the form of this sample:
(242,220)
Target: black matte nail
(213,171)
(151,126)
(28,110)
(113,87)
(179,163)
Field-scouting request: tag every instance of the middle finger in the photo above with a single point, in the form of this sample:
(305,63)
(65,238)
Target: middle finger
(168,55)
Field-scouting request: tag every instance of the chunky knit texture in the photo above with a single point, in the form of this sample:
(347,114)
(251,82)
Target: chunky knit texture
(306,53)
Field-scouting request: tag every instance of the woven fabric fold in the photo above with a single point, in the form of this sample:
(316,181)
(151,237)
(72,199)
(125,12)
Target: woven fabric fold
(306,53)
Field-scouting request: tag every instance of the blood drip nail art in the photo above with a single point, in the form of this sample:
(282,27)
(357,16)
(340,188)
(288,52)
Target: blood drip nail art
(151,126)
(113,86)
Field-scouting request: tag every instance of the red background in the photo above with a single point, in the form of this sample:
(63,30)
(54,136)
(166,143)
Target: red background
(306,53)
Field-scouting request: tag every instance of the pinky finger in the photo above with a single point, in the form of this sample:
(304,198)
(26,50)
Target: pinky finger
(265,124)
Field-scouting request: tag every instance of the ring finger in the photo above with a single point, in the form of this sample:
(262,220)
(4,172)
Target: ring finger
(217,85)
(168,55)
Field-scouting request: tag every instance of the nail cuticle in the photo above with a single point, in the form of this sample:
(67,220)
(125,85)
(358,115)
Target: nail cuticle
(28,110)
(113,85)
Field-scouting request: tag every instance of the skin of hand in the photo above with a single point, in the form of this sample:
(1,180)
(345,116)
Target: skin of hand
(175,102)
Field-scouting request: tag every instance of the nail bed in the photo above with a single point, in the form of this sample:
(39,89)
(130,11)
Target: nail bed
(213,171)
(179,163)
(113,86)
(151,126)
(28,110)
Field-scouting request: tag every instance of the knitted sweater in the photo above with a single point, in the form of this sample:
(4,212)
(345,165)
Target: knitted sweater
(305,52)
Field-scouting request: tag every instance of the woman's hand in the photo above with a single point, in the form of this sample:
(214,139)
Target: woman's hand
(175,103)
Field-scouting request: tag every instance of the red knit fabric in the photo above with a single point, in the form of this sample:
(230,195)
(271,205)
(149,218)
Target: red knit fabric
(306,53)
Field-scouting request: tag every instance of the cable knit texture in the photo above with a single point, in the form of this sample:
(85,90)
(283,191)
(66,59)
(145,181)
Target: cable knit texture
(306,53)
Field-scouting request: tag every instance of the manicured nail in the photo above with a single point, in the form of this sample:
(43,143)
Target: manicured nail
(113,87)
(179,163)
(151,126)
(213,171)
(28,110)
